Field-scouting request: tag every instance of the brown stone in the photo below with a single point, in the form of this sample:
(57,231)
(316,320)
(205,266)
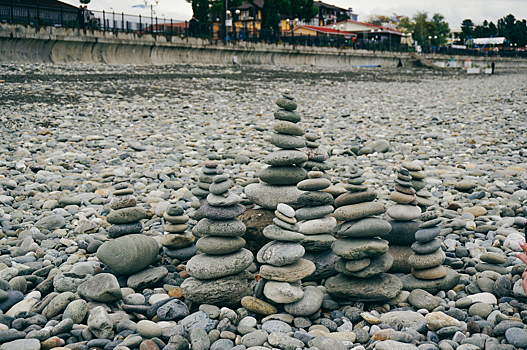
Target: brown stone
(148,345)
(402,198)
(355,197)
(255,221)
(383,334)
(175,293)
(258,306)
(50,343)
(476,211)
(400,256)
(289,273)
(433,273)
(405,190)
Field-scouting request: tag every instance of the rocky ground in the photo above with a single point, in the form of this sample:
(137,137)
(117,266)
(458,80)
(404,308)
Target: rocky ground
(71,134)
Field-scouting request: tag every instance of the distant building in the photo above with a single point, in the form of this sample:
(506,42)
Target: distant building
(372,32)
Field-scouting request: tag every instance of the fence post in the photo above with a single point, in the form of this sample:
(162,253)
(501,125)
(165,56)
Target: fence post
(113,17)
(157,26)
(12,14)
(61,17)
(171,27)
(151,25)
(140,25)
(122,21)
(103,20)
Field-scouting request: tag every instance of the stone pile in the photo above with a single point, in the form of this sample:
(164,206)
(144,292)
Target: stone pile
(219,274)
(205,176)
(364,260)
(315,154)
(285,170)
(424,198)
(406,208)
(315,223)
(427,258)
(178,243)
(283,267)
(126,216)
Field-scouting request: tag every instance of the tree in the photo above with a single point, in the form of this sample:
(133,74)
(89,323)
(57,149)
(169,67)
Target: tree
(467,28)
(200,9)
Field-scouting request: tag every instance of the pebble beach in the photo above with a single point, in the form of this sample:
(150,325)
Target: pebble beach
(210,207)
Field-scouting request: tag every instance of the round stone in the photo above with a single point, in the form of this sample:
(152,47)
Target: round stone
(223,200)
(363,228)
(309,213)
(149,329)
(291,116)
(313,184)
(427,234)
(221,213)
(220,245)
(207,267)
(411,166)
(179,219)
(175,210)
(318,243)
(426,248)
(378,288)
(286,219)
(401,212)
(126,215)
(352,248)
(175,228)
(317,226)
(286,157)
(308,305)
(224,228)
(432,273)
(286,141)
(276,233)
(317,154)
(315,198)
(355,197)
(286,210)
(402,198)
(425,261)
(287,104)
(283,175)
(517,337)
(289,273)
(128,254)
(280,253)
(219,188)
(177,241)
(283,292)
(359,211)
(258,306)
(288,128)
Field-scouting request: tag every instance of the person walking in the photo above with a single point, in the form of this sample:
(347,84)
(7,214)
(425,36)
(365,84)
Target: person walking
(87,17)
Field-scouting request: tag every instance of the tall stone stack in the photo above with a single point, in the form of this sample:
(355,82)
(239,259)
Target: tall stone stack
(364,260)
(205,176)
(219,274)
(423,197)
(278,181)
(427,258)
(126,216)
(282,265)
(406,208)
(315,154)
(315,224)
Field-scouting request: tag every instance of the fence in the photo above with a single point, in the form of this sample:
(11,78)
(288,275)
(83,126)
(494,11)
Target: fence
(67,16)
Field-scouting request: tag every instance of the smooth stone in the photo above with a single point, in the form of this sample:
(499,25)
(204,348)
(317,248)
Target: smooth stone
(430,223)
(221,213)
(363,228)
(276,325)
(220,245)
(222,201)
(352,265)
(290,116)
(177,241)
(283,292)
(410,282)
(76,310)
(286,103)
(424,235)
(149,329)
(289,220)
(99,323)
(403,212)
(317,226)
(290,273)
(309,213)
(274,232)
(286,141)
(58,304)
(378,265)
(123,202)
(289,128)
(207,267)
(258,306)
(102,287)
(421,299)
(308,305)
(516,337)
(401,319)
(313,184)
(359,211)
(280,253)
(219,188)
(493,258)
(285,157)
(269,196)
(285,225)
(426,248)
(378,288)
(223,228)
(225,291)
(125,229)
(318,243)
(285,210)
(126,215)
(402,198)
(175,309)
(402,233)
(425,261)
(51,222)
(315,198)
(256,338)
(437,320)
(173,228)
(128,254)
(175,210)
(146,278)
(355,197)
(432,273)
(324,263)
(356,248)
(181,254)
(21,344)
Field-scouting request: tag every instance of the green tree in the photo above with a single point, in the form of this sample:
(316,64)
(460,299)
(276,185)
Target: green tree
(467,29)
(200,9)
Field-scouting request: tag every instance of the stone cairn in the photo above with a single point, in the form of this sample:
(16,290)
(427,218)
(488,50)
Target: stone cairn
(423,197)
(126,217)
(315,224)
(178,243)
(219,276)
(282,265)
(363,255)
(205,177)
(278,181)
(315,154)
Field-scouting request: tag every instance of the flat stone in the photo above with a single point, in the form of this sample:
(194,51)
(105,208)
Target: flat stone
(317,226)
(21,344)
(352,248)
(282,217)
(146,278)
(425,235)
(285,210)
(221,213)
(283,175)
(290,273)
(430,223)
(285,157)
(207,267)
(432,273)
(401,212)
(258,306)
(359,211)
(438,320)
(289,128)
(175,228)
(223,228)
(128,254)
(402,198)
(286,141)
(426,248)
(274,232)
(425,261)
(315,198)
(220,245)
(51,222)
(363,228)
(378,265)
(222,200)
(126,215)
(309,213)
(219,188)
(269,196)
(102,287)
(313,184)
(402,233)
(493,258)
(280,253)
(291,116)
(286,103)
(410,282)
(379,288)
(125,229)
(283,292)
(318,243)
(123,202)
(352,265)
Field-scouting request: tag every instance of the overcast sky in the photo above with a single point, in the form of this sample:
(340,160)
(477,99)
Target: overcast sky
(453,10)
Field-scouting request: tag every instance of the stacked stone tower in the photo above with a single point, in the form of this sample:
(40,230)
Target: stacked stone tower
(315,154)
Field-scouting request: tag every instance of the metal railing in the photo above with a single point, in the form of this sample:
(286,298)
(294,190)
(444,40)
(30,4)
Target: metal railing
(64,16)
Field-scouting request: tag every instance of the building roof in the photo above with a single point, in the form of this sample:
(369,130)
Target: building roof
(382,29)
(45,3)
(323,4)
(246,5)
(324,30)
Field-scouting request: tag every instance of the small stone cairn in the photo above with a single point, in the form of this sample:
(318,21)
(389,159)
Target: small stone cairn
(427,258)
(315,224)
(424,198)
(205,177)
(126,216)
(219,274)
(278,181)
(178,243)
(406,208)
(363,256)
(315,154)
(282,264)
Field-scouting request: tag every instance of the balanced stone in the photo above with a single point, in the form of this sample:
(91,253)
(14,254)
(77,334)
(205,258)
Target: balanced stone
(126,215)
(353,265)
(290,273)
(402,198)
(123,202)
(223,201)
(403,212)
(308,305)
(285,225)
(379,288)
(286,103)
(221,213)
(314,184)
(178,219)
(286,157)
(290,116)
(125,229)
(224,228)
(355,197)
(269,196)
(274,232)
(220,187)
(368,227)
(318,243)
(426,248)
(285,210)
(317,226)
(315,198)
(283,175)
(287,141)
(206,267)
(280,253)
(425,261)
(424,235)
(432,273)
(359,211)
(289,128)
(309,213)
(353,248)
(220,245)
(410,282)
(378,265)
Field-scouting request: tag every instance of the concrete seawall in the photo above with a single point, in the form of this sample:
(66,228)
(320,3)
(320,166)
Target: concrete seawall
(28,44)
